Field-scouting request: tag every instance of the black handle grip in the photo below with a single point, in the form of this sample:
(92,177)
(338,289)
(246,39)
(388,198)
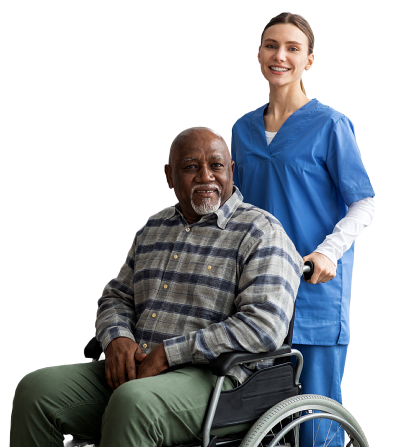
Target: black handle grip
(309,274)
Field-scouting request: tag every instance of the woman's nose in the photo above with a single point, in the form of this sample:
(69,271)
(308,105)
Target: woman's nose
(280,55)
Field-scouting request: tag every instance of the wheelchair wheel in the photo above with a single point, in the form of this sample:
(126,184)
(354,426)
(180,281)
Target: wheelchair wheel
(280,425)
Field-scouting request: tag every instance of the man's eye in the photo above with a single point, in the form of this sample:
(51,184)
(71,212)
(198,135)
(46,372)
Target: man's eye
(190,167)
(217,165)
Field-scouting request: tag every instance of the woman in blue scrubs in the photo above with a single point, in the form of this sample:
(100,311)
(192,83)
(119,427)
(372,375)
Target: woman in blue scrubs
(299,160)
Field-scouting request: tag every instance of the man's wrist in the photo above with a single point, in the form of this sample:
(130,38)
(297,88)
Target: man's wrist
(112,335)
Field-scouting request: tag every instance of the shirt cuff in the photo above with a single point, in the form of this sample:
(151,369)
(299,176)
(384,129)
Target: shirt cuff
(328,252)
(177,351)
(113,333)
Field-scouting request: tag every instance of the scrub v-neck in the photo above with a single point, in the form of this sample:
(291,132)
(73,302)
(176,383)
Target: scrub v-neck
(287,132)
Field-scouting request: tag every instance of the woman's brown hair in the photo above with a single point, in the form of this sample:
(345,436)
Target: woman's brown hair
(299,22)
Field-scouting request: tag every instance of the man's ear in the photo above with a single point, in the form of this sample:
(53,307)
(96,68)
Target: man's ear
(168,176)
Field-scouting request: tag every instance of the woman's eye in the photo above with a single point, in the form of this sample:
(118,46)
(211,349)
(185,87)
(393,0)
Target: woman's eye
(271,46)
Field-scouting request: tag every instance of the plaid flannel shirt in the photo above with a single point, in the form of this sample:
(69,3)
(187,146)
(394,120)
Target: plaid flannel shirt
(227,282)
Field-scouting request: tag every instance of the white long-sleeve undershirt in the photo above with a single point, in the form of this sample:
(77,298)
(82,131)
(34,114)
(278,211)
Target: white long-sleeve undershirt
(359,215)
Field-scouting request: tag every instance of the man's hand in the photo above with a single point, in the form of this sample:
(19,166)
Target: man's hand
(154,363)
(121,356)
(324,268)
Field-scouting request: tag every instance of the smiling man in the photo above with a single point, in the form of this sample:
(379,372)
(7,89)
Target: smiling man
(200,171)
(206,276)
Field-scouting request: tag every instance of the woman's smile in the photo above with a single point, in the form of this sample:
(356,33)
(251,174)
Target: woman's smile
(277,69)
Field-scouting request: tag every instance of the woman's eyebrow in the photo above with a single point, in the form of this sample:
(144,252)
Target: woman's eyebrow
(294,42)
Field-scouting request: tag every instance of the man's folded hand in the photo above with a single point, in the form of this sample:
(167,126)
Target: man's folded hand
(121,356)
(154,363)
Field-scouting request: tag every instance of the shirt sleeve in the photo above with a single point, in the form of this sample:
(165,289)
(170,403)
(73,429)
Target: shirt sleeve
(116,316)
(359,215)
(345,164)
(267,288)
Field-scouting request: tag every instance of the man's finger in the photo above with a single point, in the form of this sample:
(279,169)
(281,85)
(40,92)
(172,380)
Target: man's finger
(109,378)
(130,368)
(139,355)
(121,374)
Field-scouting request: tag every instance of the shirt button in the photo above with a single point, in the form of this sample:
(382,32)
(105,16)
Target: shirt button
(154,315)
(165,286)
(145,345)
(175,256)
(187,229)
(209,267)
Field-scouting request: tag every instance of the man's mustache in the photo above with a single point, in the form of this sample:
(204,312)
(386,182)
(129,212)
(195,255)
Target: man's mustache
(207,186)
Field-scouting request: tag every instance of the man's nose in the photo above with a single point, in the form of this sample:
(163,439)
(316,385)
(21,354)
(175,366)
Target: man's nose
(205,175)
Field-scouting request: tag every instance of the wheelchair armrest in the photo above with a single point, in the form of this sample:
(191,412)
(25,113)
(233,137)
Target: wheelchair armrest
(222,365)
(93,349)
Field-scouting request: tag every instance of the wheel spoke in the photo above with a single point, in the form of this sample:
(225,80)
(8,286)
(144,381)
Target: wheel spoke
(318,428)
(327,434)
(338,428)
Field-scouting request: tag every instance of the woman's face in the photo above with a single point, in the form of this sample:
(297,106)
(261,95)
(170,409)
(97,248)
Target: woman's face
(283,55)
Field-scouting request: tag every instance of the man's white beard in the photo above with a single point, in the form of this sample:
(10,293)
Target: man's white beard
(206,207)
(208,204)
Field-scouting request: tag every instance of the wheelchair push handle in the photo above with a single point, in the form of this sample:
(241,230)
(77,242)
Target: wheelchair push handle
(308,270)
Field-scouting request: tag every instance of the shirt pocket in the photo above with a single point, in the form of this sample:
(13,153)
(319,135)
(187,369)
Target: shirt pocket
(149,273)
(207,284)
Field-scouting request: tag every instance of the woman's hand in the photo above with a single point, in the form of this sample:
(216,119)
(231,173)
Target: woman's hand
(324,268)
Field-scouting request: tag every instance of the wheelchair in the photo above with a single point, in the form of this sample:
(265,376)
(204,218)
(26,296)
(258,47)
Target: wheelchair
(271,399)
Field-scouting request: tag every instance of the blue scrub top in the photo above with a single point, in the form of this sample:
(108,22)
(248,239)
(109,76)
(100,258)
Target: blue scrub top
(307,177)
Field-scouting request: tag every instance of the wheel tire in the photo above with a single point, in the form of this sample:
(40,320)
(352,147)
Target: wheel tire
(295,405)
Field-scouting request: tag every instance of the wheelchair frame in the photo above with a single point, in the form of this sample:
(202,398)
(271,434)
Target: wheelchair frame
(285,405)
(294,410)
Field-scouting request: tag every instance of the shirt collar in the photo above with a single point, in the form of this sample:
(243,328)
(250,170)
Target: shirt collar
(223,214)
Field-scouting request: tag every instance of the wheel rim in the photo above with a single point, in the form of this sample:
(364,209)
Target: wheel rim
(354,440)
(269,425)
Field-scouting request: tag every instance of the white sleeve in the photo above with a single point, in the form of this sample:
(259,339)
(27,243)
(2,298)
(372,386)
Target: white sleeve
(359,215)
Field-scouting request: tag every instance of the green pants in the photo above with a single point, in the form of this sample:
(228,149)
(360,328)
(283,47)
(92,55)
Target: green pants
(165,410)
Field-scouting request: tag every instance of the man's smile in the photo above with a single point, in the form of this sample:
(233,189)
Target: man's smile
(205,191)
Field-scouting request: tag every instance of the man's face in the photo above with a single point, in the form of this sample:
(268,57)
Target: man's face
(201,173)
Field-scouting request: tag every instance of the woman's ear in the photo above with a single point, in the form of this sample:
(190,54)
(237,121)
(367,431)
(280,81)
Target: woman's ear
(310,60)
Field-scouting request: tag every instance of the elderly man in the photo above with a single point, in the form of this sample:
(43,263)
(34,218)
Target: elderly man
(209,275)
